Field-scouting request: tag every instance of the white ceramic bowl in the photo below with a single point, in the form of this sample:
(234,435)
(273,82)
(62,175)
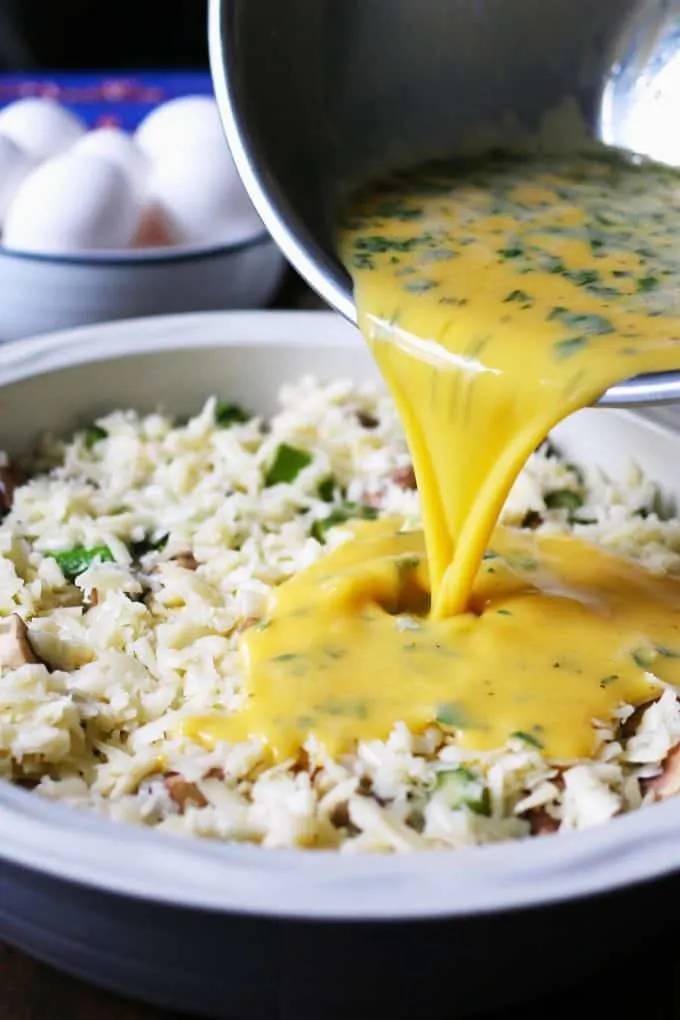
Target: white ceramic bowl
(39,292)
(238,930)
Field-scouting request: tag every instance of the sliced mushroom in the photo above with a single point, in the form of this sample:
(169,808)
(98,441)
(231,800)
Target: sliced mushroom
(184,793)
(9,480)
(187,560)
(15,648)
(667,783)
(405,478)
(629,727)
(340,816)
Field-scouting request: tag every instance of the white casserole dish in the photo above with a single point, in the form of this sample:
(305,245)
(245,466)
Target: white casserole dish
(229,931)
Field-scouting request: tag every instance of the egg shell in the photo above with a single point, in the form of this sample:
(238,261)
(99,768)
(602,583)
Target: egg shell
(42,127)
(15,166)
(119,148)
(202,195)
(73,203)
(177,123)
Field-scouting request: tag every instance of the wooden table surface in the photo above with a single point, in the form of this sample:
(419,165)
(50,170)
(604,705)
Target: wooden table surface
(32,991)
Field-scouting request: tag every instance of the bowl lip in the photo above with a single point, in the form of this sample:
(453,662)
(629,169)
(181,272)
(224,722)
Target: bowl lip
(78,846)
(138,256)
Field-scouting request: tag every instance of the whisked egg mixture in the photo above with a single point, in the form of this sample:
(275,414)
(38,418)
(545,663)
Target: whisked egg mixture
(329,636)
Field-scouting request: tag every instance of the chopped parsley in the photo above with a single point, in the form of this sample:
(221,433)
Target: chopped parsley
(531,737)
(567,348)
(511,253)
(453,716)
(589,324)
(420,286)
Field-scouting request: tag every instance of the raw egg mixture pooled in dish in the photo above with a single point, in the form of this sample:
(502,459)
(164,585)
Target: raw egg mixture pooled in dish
(377,640)
(498,296)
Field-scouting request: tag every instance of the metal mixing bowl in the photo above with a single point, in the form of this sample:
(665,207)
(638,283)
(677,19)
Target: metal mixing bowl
(318,95)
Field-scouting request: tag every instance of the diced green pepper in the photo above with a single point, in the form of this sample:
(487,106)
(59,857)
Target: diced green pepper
(288,462)
(74,561)
(227,414)
(462,788)
(94,435)
(340,515)
(326,490)
(147,545)
(563,499)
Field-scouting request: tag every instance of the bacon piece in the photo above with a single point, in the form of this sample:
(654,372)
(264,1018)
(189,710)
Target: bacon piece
(405,477)
(541,823)
(667,783)
(184,793)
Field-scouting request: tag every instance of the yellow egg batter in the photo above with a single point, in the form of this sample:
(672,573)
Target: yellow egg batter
(497,296)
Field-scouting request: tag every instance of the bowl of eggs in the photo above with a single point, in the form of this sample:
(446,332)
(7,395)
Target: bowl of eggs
(102,224)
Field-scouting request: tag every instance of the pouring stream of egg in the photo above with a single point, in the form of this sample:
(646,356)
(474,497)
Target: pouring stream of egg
(497,296)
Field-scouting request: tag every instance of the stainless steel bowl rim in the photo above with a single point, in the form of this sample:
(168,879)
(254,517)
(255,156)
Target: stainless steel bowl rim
(656,388)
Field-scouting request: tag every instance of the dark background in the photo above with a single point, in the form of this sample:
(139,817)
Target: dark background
(70,35)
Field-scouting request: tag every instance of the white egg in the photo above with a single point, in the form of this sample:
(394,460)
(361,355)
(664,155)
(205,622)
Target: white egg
(74,202)
(201,193)
(15,166)
(117,147)
(154,229)
(40,126)
(177,123)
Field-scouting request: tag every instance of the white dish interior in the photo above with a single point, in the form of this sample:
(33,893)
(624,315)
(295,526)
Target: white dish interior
(61,381)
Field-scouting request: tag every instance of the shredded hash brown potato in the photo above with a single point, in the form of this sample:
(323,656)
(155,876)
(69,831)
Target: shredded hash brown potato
(140,548)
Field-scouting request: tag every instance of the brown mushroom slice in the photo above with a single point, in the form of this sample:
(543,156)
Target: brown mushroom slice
(184,793)
(667,783)
(629,727)
(405,478)
(187,560)
(15,648)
